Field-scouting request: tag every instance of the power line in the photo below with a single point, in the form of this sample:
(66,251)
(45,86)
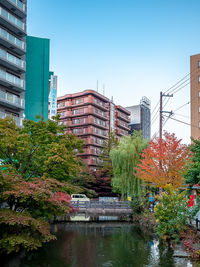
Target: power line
(171,89)
(183,122)
(174,89)
(182,106)
(181,115)
(176,83)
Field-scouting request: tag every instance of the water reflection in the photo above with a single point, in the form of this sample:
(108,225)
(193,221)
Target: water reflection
(102,244)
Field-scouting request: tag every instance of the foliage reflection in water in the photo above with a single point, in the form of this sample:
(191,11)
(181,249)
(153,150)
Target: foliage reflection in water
(102,244)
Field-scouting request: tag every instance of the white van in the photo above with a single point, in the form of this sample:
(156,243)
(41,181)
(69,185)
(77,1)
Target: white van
(79,197)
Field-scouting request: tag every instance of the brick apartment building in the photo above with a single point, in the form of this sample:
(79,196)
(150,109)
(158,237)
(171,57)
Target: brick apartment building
(91,116)
(195,95)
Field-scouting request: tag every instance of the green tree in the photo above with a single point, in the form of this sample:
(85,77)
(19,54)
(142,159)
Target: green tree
(192,172)
(171,213)
(39,149)
(35,163)
(125,158)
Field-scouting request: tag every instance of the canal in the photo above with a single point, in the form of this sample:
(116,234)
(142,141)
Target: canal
(106,244)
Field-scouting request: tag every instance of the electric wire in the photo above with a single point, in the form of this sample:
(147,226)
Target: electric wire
(183,122)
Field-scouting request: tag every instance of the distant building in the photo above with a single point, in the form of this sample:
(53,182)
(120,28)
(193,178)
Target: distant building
(141,118)
(52,95)
(12,58)
(195,95)
(37,78)
(91,116)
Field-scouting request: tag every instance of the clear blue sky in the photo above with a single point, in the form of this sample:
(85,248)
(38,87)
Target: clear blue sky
(135,47)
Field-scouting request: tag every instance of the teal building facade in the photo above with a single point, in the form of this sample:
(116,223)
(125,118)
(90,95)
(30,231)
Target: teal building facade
(37,78)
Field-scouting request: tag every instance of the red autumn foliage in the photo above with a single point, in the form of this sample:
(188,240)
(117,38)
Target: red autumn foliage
(102,183)
(163,161)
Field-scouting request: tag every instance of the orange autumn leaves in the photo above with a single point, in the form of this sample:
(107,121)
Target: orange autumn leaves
(163,162)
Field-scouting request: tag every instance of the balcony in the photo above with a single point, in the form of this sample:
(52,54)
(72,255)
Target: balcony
(12,62)
(11,42)
(122,125)
(15,6)
(11,101)
(122,116)
(78,121)
(11,81)
(18,120)
(121,132)
(12,23)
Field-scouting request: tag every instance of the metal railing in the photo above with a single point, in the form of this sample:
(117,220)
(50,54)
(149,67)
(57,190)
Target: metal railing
(11,78)
(12,19)
(12,39)
(125,205)
(11,98)
(12,59)
(18,4)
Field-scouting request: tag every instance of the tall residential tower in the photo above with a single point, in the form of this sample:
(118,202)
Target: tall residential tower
(12,58)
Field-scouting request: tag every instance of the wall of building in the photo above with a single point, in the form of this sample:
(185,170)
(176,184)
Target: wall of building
(141,118)
(37,78)
(12,59)
(195,95)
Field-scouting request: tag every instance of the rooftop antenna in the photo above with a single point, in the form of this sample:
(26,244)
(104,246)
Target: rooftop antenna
(97,85)
(104,89)
(112,99)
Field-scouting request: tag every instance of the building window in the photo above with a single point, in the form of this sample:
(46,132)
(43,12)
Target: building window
(76,121)
(75,131)
(60,105)
(78,101)
(199,93)
(199,79)
(199,64)
(199,124)
(199,108)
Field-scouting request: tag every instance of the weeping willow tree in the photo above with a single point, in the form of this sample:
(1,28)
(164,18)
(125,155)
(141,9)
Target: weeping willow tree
(125,158)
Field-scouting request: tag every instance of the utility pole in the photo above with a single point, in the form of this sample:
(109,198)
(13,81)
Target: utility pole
(161,128)
(162,111)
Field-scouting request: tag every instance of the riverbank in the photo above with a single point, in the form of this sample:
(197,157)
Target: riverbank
(146,221)
(189,245)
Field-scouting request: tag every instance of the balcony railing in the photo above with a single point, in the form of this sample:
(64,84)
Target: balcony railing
(12,39)
(12,19)
(12,59)
(18,4)
(13,99)
(18,120)
(11,79)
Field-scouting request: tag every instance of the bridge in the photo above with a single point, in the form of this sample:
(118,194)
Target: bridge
(94,210)
(102,207)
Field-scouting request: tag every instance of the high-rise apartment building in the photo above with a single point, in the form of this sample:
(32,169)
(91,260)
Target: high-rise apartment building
(195,95)
(91,116)
(37,78)
(141,118)
(12,58)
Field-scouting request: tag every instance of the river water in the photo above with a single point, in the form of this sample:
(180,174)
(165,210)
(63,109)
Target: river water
(108,244)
